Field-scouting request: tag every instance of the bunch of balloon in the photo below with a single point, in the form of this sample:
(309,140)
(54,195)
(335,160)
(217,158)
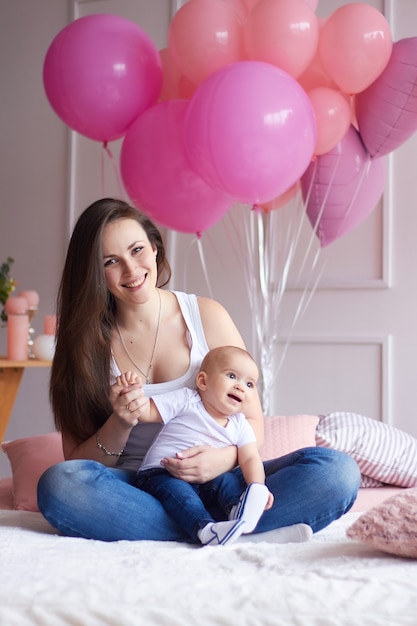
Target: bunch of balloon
(267,98)
(250,99)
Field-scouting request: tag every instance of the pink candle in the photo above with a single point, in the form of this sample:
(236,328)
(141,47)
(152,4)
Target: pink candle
(16,305)
(32,298)
(17,329)
(49,325)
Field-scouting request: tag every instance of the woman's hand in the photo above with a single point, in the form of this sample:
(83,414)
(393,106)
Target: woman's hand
(128,399)
(200,464)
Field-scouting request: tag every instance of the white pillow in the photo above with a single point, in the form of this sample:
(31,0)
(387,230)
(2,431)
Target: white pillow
(385,455)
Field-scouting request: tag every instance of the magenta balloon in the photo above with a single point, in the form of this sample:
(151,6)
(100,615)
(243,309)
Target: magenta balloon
(158,177)
(387,110)
(101,72)
(250,131)
(342,187)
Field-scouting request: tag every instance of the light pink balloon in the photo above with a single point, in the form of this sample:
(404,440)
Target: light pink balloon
(250,131)
(205,35)
(171,75)
(315,74)
(101,72)
(158,177)
(250,4)
(342,187)
(355,46)
(312,4)
(174,84)
(284,33)
(387,110)
(282,200)
(239,6)
(333,115)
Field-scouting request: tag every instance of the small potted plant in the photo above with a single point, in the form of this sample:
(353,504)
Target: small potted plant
(7,285)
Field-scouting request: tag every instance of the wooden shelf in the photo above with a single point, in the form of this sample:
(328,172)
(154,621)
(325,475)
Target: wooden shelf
(5,362)
(11,373)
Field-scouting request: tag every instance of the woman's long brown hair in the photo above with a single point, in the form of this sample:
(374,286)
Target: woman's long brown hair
(79,384)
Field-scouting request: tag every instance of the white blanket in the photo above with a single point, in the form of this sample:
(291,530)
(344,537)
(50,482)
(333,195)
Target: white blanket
(48,580)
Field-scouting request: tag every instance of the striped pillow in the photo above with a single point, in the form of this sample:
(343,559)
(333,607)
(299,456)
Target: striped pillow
(385,455)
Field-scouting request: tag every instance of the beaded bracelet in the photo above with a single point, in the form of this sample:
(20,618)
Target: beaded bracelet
(100,445)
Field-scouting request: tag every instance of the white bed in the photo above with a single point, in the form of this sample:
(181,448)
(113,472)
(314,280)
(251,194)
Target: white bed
(49,580)
(333,580)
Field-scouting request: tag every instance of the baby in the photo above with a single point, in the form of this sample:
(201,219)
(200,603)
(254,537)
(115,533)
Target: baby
(211,415)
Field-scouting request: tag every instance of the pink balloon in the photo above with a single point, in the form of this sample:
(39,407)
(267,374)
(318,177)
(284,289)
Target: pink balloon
(159,179)
(387,111)
(250,131)
(355,46)
(333,115)
(101,72)
(341,188)
(284,33)
(205,35)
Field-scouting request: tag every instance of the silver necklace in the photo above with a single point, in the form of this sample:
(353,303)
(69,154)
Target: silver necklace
(148,371)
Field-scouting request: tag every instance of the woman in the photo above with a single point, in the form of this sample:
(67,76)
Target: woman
(114,316)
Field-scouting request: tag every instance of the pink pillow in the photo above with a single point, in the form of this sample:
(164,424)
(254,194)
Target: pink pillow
(6,494)
(391,526)
(29,458)
(286,433)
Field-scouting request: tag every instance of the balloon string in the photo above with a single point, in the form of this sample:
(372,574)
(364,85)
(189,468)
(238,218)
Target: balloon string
(197,241)
(309,291)
(265,246)
(107,152)
(234,240)
(299,313)
(319,216)
(241,239)
(364,173)
(204,266)
(103,174)
(292,235)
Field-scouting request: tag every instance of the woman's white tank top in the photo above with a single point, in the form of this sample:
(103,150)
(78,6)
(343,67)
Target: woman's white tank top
(143,435)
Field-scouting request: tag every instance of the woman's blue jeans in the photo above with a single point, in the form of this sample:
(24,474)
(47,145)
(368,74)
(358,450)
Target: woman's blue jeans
(84,498)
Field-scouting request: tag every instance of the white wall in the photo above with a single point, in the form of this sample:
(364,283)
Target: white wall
(33,183)
(34,230)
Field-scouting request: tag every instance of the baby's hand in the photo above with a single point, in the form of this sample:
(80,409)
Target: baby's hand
(128,378)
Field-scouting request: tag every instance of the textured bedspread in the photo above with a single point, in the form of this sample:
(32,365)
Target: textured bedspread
(50,580)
